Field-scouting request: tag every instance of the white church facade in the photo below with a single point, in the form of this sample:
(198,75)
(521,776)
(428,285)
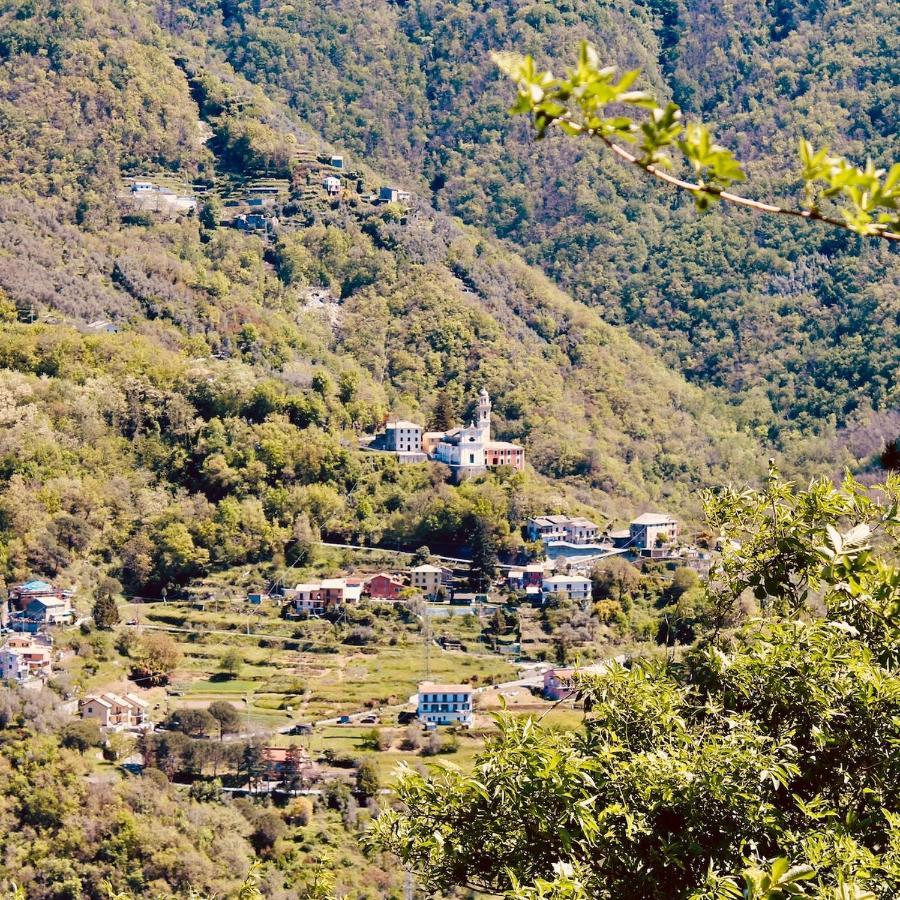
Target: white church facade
(469,450)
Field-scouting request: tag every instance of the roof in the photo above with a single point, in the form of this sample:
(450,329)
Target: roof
(516,573)
(502,445)
(578,670)
(653,519)
(333,584)
(551,520)
(353,592)
(426,687)
(49,601)
(115,698)
(580,520)
(403,423)
(306,588)
(34,587)
(137,701)
(279,754)
(621,533)
(98,699)
(426,567)
(394,578)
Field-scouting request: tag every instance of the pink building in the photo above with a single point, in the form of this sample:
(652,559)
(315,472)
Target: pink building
(503,453)
(384,587)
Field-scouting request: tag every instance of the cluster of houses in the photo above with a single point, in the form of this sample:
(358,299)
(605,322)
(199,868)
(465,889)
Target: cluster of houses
(36,604)
(645,534)
(468,449)
(454,704)
(319,597)
(26,658)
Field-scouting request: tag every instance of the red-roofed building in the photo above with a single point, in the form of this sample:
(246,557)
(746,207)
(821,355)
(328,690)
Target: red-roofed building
(384,586)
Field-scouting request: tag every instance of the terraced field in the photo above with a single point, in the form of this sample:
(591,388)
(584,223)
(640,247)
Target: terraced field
(303,670)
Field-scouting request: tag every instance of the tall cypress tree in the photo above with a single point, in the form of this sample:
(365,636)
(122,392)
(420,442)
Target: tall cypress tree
(484,556)
(443,415)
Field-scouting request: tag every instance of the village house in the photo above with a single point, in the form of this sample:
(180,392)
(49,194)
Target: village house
(562,529)
(24,658)
(116,712)
(445,704)
(558,682)
(22,594)
(336,162)
(38,605)
(306,598)
(402,438)
(426,578)
(316,598)
(384,586)
(572,587)
(393,195)
(531,575)
(652,529)
(277,764)
(332,185)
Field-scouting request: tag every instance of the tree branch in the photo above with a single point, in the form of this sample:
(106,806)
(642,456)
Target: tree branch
(727,196)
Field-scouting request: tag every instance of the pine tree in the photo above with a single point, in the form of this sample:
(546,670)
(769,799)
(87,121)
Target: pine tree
(106,612)
(443,416)
(484,556)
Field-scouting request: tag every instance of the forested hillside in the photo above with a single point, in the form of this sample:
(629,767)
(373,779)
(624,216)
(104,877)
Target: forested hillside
(217,423)
(798,327)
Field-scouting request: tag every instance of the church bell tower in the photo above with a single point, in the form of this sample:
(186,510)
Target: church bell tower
(484,414)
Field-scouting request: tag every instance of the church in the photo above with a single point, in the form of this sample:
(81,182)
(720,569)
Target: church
(469,450)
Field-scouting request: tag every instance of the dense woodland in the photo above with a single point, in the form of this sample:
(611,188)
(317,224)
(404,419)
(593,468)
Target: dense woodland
(219,425)
(639,351)
(797,327)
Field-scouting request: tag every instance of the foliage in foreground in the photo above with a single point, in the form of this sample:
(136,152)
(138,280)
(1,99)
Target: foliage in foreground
(700,779)
(580,104)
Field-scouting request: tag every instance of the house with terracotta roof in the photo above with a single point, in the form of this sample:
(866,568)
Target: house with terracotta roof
(116,712)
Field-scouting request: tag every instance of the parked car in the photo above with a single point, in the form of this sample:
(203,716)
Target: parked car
(344,720)
(301,728)
(371,719)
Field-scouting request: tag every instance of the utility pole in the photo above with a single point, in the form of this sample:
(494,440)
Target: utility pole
(426,630)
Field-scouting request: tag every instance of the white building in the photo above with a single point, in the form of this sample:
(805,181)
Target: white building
(573,587)
(651,529)
(24,657)
(332,185)
(445,704)
(306,598)
(115,712)
(562,529)
(403,438)
(426,578)
(317,597)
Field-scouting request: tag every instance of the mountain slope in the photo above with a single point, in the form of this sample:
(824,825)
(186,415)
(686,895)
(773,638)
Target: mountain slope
(217,427)
(805,320)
